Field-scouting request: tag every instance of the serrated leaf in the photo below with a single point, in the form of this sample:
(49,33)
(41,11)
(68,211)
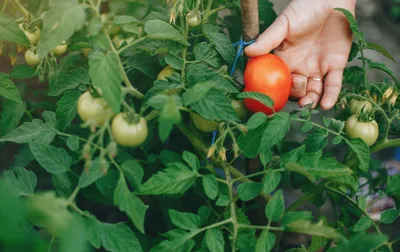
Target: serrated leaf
(354,75)
(248,191)
(256,120)
(380,49)
(317,140)
(67,81)
(220,41)
(294,216)
(300,170)
(58,26)
(133,172)
(361,152)
(197,92)
(8,90)
(125,19)
(113,237)
(271,181)
(265,156)
(10,116)
(307,126)
(95,172)
(384,68)
(9,30)
(210,186)
(393,185)
(206,52)
(260,97)
(306,227)
(157,29)
(105,74)
(337,140)
(192,160)
(362,224)
(175,179)
(130,204)
(174,61)
(66,109)
(52,159)
(363,242)
(215,240)
(275,207)
(25,133)
(276,130)
(249,143)
(23,181)
(187,221)
(265,242)
(389,216)
(353,23)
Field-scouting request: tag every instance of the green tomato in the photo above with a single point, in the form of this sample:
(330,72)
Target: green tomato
(357,106)
(93,110)
(32,36)
(240,109)
(202,124)
(31,58)
(367,131)
(129,134)
(60,49)
(165,73)
(193,19)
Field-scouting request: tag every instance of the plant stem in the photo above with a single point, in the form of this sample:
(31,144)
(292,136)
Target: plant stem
(212,12)
(131,44)
(245,226)
(73,195)
(300,201)
(232,207)
(22,9)
(364,64)
(3,8)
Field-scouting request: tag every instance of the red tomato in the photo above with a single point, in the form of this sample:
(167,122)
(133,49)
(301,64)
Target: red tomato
(267,74)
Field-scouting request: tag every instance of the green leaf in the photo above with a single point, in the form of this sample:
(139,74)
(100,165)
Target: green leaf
(105,74)
(133,172)
(306,227)
(67,81)
(62,183)
(381,49)
(362,224)
(325,167)
(25,133)
(361,152)
(113,237)
(353,75)
(249,143)
(271,181)
(317,140)
(95,172)
(275,207)
(220,40)
(265,156)
(384,68)
(197,92)
(108,183)
(199,73)
(130,203)
(294,216)
(276,130)
(74,239)
(94,26)
(186,221)
(300,170)
(192,160)
(73,142)
(66,109)
(362,242)
(174,61)
(169,116)
(23,181)
(206,52)
(9,30)
(256,120)
(215,240)
(215,106)
(307,126)
(265,242)
(250,190)
(222,200)
(337,140)
(144,63)
(260,97)
(210,186)
(8,90)
(389,216)
(58,26)
(355,49)
(10,116)
(157,29)
(175,179)
(53,160)
(293,156)
(124,19)
(393,185)
(353,23)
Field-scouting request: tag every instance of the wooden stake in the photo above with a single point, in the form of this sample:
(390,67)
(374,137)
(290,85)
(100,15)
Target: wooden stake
(250,20)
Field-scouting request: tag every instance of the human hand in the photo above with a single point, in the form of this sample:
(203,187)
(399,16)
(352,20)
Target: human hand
(315,41)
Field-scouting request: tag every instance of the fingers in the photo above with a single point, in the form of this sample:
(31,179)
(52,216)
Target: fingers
(333,85)
(269,39)
(299,85)
(313,95)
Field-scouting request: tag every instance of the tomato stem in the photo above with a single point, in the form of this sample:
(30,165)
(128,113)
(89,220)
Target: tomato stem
(22,9)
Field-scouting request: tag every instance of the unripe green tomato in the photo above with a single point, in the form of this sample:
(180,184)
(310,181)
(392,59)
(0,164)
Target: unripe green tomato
(367,131)
(193,20)
(166,72)
(357,106)
(202,124)
(60,49)
(32,36)
(129,134)
(86,51)
(31,58)
(240,109)
(93,110)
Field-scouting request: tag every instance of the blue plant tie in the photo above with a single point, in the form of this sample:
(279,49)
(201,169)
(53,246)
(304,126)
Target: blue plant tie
(240,44)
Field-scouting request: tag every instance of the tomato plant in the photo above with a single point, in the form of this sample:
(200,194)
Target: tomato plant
(138,134)
(269,75)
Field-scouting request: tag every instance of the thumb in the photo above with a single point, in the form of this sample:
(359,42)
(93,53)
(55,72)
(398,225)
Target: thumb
(270,39)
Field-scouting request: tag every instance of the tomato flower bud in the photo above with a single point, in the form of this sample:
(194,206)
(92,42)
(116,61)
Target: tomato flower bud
(387,94)
(112,149)
(172,16)
(211,151)
(222,153)
(86,151)
(236,150)
(393,100)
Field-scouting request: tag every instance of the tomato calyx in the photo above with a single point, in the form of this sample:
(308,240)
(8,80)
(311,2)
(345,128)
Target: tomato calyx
(131,117)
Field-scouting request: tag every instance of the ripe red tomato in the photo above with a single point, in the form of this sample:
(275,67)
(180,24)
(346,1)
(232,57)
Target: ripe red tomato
(267,74)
